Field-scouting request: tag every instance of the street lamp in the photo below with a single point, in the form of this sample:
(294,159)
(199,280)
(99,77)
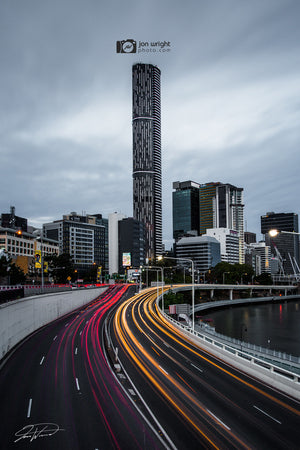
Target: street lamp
(193,283)
(274,233)
(245,273)
(156,269)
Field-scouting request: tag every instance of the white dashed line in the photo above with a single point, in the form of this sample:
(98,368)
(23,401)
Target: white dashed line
(219,420)
(42,360)
(266,414)
(77,384)
(196,367)
(55,337)
(29,408)
(164,370)
(76,349)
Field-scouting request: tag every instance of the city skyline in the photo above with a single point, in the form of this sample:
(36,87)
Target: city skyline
(230,112)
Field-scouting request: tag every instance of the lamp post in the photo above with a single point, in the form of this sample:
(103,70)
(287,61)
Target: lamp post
(157,269)
(245,273)
(193,283)
(274,233)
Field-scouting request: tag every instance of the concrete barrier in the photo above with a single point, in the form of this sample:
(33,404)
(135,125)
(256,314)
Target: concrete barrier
(21,317)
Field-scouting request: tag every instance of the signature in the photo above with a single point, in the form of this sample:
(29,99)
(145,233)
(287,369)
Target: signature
(36,431)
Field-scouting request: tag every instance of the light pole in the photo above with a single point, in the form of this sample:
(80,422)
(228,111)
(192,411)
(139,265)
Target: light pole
(156,269)
(274,233)
(193,283)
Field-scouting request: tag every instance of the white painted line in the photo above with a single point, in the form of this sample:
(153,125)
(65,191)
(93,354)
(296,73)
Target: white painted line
(219,420)
(55,337)
(167,345)
(29,408)
(196,367)
(42,360)
(66,324)
(164,370)
(80,333)
(266,414)
(76,350)
(77,384)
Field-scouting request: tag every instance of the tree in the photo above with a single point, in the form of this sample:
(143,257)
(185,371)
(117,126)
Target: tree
(60,267)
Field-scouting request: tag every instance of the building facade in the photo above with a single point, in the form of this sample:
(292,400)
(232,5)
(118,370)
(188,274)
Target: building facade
(113,241)
(205,251)
(185,206)
(284,246)
(84,238)
(229,243)
(147,179)
(22,247)
(132,244)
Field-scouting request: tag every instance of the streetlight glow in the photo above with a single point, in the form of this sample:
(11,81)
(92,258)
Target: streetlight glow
(273,233)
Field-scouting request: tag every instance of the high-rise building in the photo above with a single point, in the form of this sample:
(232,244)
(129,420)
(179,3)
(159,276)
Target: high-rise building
(113,241)
(185,209)
(286,246)
(203,250)
(229,243)
(146,126)
(221,206)
(132,244)
(84,237)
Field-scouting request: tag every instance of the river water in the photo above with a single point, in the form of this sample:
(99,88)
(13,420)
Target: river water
(274,325)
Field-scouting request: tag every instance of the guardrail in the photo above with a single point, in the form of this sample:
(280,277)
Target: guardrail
(284,375)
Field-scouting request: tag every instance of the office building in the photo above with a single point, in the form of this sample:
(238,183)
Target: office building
(221,206)
(147,180)
(284,246)
(205,251)
(249,237)
(132,244)
(22,246)
(113,241)
(10,220)
(229,243)
(185,203)
(84,238)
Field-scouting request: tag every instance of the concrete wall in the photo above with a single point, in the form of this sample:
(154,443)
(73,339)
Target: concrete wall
(21,317)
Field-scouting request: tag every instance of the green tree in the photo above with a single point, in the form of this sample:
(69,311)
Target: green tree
(61,267)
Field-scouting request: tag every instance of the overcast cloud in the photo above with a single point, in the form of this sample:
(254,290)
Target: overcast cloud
(230,102)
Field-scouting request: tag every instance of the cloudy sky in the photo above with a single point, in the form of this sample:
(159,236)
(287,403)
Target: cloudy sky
(230,90)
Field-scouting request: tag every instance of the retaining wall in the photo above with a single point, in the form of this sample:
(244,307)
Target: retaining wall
(21,317)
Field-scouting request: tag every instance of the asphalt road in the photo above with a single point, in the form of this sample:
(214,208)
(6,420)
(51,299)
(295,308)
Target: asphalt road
(199,401)
(58,392)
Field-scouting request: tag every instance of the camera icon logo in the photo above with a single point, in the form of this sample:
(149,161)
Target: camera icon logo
(126,46)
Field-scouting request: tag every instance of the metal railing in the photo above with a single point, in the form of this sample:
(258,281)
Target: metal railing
(239,353)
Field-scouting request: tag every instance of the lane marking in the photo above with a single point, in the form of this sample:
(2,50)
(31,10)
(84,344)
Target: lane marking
(167,345)
(76,350)
(42,360)
(163,369)
(29,408)
(219,420)
(80,332)
(77,384)
(196,367)
(66,324)
(266,414)
(55,337)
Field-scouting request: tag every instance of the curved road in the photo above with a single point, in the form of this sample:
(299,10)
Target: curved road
(58,392)
(200,401)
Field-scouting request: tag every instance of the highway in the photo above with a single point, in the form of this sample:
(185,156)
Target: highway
(199,401)
(58,391)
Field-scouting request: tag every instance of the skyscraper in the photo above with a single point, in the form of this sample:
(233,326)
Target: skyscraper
(286,244)
(185,209)
(146,126)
